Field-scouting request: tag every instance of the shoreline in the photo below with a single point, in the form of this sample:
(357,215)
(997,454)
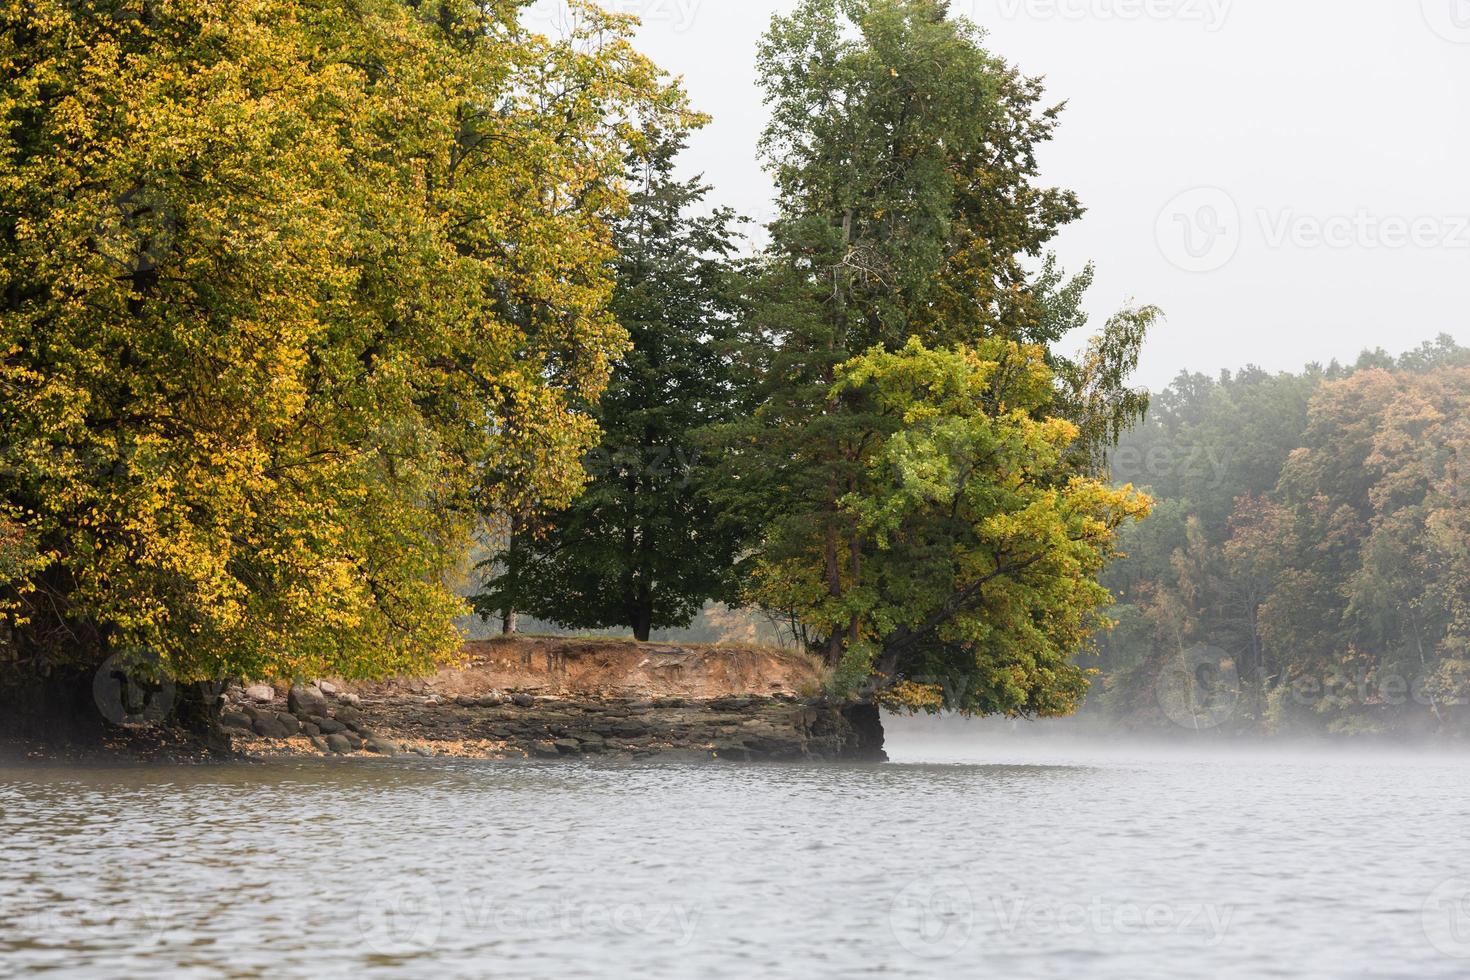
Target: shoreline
(557,698)
(541,698)
(523,726)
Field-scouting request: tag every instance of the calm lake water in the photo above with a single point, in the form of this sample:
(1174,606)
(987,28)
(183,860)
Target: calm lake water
(977,855)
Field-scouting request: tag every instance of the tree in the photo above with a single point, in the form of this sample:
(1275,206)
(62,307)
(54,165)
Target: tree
(288,290)
(976,549)
(1312,527)
(909,216)
(645,546)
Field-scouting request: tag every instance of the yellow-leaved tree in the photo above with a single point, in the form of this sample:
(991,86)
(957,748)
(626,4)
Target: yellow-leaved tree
(291,291)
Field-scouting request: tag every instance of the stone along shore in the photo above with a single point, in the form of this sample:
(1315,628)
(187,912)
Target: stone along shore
(566,699)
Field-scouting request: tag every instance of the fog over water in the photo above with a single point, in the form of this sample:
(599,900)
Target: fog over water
(976,852)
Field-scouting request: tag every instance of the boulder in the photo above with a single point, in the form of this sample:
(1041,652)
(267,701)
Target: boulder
(380,746)
(306,700)
(568,746)
(289,724)
(351,699)
(270,726)
(339,744)
(544,749)
(236,719)
(310,729)
(261,693)
(327,688)
(522,700)
(328,726)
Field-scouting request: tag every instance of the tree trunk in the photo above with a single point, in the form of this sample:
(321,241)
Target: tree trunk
(643,612)
(509,621)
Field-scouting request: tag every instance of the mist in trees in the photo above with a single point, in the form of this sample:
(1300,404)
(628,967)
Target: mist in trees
(1307,560)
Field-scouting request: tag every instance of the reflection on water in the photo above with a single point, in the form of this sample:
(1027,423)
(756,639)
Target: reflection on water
(1000,857)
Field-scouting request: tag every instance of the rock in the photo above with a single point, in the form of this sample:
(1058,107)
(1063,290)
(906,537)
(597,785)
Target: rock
(544,749)
(489,701)
(349,716)
(380,746)
(522,700)
(319,743)
(310,729)
(567,746)
(306,700)
(327,688)
(422,750)
(732,704)
(432,701)
(351,699)
(270,726)
(328,726)
(466,700)
(339,744)
(235,719)
(289,724)
(261,693)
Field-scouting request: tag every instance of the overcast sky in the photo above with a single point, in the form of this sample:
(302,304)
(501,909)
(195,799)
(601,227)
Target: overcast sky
(1288,179)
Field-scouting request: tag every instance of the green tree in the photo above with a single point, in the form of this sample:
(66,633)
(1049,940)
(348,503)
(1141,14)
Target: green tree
(909,213)
(645,546)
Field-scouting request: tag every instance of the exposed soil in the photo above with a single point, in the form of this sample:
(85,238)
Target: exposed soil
(614,668)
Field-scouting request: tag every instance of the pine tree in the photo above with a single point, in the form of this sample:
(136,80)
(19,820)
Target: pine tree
(645,547)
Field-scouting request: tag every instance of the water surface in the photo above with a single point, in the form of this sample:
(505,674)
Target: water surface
(990,856)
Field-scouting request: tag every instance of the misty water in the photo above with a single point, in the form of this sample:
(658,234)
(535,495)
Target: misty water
(977,852)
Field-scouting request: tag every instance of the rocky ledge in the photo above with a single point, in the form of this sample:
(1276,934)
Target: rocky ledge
(321,719)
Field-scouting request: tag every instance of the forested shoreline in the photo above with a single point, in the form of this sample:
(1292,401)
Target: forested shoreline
(311,314)
(301,301)
(1306,569)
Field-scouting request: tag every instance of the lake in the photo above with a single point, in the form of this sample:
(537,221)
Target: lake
(976,853)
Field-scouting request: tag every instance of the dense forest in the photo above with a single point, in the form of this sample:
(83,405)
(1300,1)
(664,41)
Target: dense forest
(1307,565)
(307,311)
(300,302)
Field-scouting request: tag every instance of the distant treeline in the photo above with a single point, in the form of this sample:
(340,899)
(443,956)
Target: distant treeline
(1307,566)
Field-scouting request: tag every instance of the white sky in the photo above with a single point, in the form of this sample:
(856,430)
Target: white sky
(1321,148)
